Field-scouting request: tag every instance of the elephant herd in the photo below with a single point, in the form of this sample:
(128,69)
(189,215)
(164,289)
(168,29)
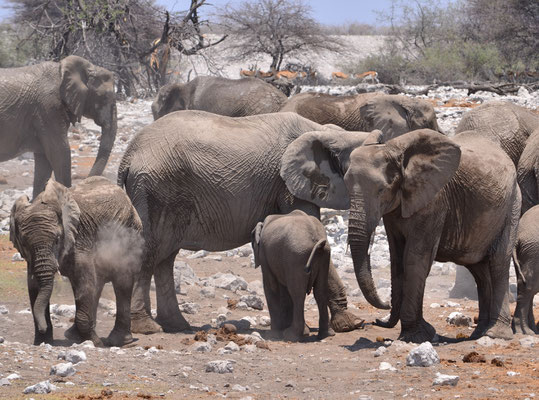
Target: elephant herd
(231,161)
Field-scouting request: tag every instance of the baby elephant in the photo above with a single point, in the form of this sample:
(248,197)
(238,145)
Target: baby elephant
(526,260)
(91,233)
(294,255)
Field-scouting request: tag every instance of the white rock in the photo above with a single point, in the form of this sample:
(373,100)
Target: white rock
(512,373)
(380,351)
(451,304)
(423,355)
(40,388)
(458,319)
(232,346)
(13,377)
(227,281)
(63,310)
(198,254)
(5,382)
(488,342)
(441,379)
(17,257)
(220,366)
(239,388)
(264,320)
(253,301)
(4,310)
(88,344)
(385,366)
(72,356)
(189,308)
(401,346)
(250,320)
(249,348)
(529,341)
(202,347)
(63,369)
(208,292)
(435,305)
(256,287)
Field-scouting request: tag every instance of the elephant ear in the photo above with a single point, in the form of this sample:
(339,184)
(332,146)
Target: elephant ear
(313,166)
(14,235)
(69,211)
(73,87)
(384,113)
(429,161)
(255,242)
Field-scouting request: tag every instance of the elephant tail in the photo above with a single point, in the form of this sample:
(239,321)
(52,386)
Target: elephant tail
(255,242)
(518,269)
(123,170)
(320,245)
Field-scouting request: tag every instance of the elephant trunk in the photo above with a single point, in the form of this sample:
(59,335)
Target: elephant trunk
(43,270)
(359,234)
(108,136)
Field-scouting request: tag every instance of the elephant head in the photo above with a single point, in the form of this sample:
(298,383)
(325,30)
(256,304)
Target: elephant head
(396,115)
(44,233)
(173,97)
(87,90)
(372,180)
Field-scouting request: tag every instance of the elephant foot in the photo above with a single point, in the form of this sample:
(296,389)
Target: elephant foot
(118,338)
(173,325)
(500,330)
(345,321)
(322,334)
(417,333)
(43,337)
(480,329)
(73,334)
(145,326)
(387,322)
(291,335)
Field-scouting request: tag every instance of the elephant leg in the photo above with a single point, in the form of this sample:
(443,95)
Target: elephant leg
(58,154)
(342,320)
(499,313)
(272,292)
(321,295)
(168,313)
(121,333)
(42,172)
(396,250)
(413,327)
(521,318)
(33,289)
(295,331)
(484,288)
(86,298)
(531,317)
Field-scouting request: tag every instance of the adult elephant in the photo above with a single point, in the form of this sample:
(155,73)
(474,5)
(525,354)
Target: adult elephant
(231,97)
(504,123)
(441,199)
(37,104)
(528,172)
(203,181)
(392,114)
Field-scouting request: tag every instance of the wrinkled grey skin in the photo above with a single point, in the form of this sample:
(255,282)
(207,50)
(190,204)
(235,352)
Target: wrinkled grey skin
(294,254)
(503,123)
(37,104)
(89,233)
(526,260)
(394,115)
(203,181)
(441,199)
(231,97)
(528,172)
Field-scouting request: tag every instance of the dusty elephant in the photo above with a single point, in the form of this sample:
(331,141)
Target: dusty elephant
(37,104)
(203,181)
(526,260)
(231,97)
(528,172)
(90,233)
(294,254)
(504,123)
(441,199)
(392,114)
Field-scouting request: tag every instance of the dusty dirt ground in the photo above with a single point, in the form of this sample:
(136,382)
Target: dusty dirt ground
(343,366)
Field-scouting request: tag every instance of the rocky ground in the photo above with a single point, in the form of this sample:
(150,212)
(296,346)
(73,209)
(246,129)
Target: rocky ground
(217,288)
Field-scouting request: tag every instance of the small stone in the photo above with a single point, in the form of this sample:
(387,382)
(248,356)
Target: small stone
(2,339)
(423,355)
(290,385)
(17,257)
(239,388)
(198,254)
(435,305)
(5,382)
(208,292)
(253,301)
(249,348)
(512,373)
(529,341)
(385,366)
(458,319)
(189,308)
(202,347)
(40,388)
(72,356)
(63,310)
(4,310)
(220,366)
(264,320)
(227,281)
(380,351)
(451,304)
(250,320)
(232,346)
(449,380)
(63,369)
(13,377)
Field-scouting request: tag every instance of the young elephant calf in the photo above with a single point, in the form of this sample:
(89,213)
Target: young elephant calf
(294,255)
(91,234)
(526,259)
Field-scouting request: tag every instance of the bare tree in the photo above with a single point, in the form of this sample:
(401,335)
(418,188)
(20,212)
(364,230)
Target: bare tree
(278,28)
(134,38)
